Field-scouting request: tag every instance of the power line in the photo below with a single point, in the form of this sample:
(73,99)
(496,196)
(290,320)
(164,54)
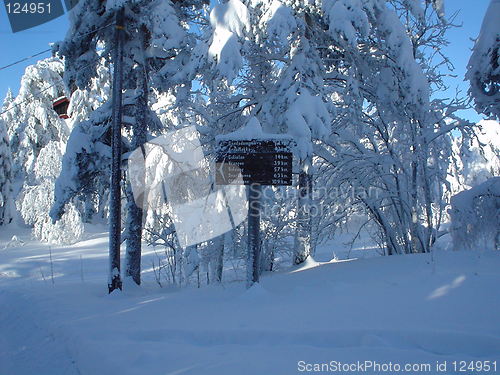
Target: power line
(25,58)
(37,54)
(33,96)
(50,49)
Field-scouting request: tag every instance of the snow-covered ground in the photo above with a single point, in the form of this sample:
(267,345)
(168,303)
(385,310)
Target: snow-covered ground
(417,309)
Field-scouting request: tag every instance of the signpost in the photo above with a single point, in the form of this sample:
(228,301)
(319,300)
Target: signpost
(254,162)
(258,161)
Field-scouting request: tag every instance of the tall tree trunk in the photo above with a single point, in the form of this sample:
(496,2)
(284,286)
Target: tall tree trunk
(114,280)
(135,206)
(218,258)
(428,201)
(302,248)
(134,236)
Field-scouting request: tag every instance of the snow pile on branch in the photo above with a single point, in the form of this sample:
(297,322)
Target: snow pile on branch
(483,70)
(229,22)
(252,130)
(475,217)
(279,21)
(438,7)
(413,86)
(347,19)
(415,7)
(85,101)
(307,119)
(166,32)
(351,21)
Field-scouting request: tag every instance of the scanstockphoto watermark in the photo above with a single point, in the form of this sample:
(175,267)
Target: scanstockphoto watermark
(367,366)
(394,367)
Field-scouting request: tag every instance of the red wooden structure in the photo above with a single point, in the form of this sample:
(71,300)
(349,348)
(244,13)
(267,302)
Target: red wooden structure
(61,105)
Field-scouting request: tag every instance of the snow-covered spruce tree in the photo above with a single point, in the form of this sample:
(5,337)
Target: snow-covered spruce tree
(156,47)
(5,177)
(38,136)
(92,202)
(31,121)
(483,69)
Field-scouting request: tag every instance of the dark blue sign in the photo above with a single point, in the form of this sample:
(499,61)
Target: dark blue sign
(258,161)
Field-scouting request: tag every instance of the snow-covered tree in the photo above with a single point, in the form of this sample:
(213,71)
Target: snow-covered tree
(483,69)
(352,81)
(377,86)
(157,48)
(37,137)
(35,200)
(269,67)
(5,176)
(30,119)
(389,144)
(92,195)
(85,166)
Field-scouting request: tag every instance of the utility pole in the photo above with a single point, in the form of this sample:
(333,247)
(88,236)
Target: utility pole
(114,281)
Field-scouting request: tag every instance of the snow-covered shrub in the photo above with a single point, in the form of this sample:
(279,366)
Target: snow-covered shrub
(35,201)
(475,159)
(475,217)
(482,156)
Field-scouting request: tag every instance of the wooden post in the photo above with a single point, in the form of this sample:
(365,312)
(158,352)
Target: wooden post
(253,256)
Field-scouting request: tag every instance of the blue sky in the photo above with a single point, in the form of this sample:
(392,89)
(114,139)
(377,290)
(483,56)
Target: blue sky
(19,45)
